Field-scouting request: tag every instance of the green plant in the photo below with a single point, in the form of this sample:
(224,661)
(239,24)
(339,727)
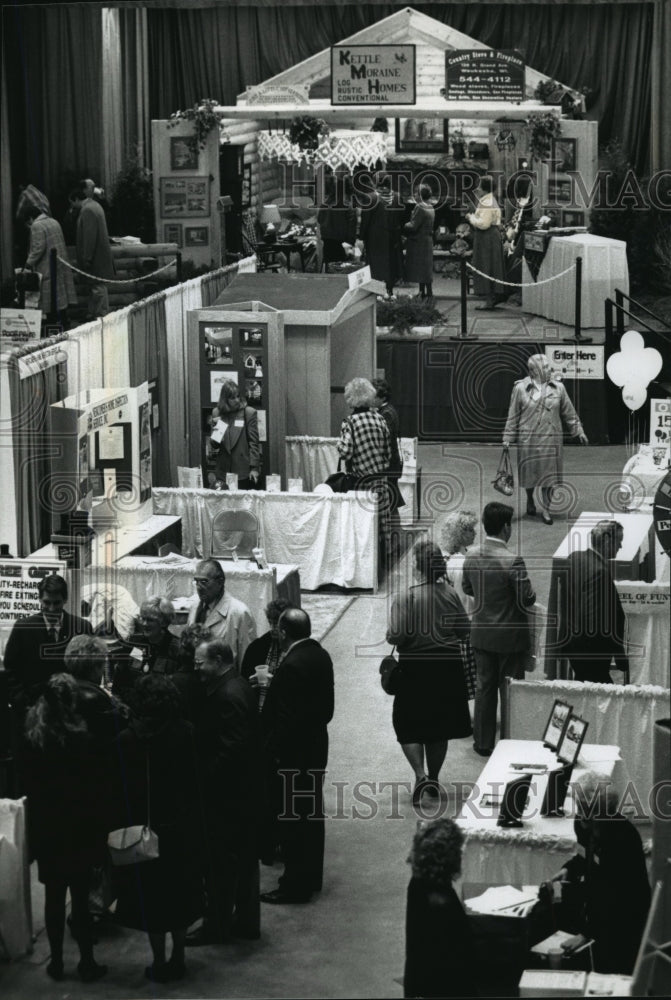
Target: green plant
(542,129)
(404,312)
(305,132)
(132,202)
(203,117)
(456,131)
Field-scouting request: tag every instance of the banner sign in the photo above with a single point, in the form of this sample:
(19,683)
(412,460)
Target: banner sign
(19,580)
(276,93)
(372,74)
(571,361)
(660,421)
(19,327)
(484,75)
(39,361)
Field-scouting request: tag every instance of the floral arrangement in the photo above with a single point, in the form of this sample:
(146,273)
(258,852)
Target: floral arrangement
(306,132)
(405,312)
(542,129)
(204,118)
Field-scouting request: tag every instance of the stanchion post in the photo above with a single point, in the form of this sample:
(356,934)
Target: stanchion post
(619,314)
(464,294)
(178,259)
(578,296)
(53,272)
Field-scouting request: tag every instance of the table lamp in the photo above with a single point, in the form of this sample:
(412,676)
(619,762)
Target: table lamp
(270,219)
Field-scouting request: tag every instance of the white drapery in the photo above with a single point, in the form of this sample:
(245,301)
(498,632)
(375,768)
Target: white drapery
(646,606)
(116,358)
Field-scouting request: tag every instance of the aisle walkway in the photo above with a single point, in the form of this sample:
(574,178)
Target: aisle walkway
(349,942)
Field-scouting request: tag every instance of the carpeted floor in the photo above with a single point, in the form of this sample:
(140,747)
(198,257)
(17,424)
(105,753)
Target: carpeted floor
(325,610)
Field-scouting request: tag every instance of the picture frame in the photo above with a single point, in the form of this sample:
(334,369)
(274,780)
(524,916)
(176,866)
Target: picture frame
(564,154)
(559,191)
(173,233)
(572,739)
(196,236)
(421,135)
(246,191)
(558,720)
(572,217)
(183,154)
(184,197)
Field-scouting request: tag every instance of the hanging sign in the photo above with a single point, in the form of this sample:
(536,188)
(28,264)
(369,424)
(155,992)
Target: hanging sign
(372,74)
(19,327)
(484,75)
(576,362)
(19,582)
(40,360)
(276,93)
(660,421)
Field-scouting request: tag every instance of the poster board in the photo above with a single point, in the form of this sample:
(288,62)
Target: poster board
(19,327)
(372,74)
(660,422)
(19,580)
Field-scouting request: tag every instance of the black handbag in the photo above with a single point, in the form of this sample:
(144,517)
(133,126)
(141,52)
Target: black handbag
(343,481)
(504,481)
(390,673)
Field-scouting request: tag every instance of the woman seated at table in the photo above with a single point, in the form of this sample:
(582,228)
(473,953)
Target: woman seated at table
(439,952)
(237,450)
(604,890)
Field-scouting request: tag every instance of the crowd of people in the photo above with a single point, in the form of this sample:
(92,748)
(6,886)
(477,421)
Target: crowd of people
(208,740)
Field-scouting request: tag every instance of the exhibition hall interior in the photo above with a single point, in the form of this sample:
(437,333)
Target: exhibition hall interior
(335,394)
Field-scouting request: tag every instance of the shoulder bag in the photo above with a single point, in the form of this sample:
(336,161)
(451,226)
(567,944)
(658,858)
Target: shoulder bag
(133,844)
(390,673)
(342,481)
(504,481)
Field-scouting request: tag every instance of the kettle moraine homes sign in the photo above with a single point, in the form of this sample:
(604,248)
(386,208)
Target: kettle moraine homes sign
(484,75)
(373,74)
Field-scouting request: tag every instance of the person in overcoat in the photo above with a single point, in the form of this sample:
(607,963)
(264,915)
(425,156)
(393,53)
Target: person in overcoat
(336,220)
(381,234)
(296,713)
(94,253)
(46,235)
(539,411)
(487,246)
(419,245)
(239,450)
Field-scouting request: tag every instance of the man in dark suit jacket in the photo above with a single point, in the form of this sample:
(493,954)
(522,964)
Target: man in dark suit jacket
(296,713)
(593,632)
(36,646)
(227,746)
(498,581)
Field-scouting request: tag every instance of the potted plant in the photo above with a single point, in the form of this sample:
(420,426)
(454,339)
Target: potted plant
(457,140)
(305,132)
(403,314)
(541,130)
(204,117)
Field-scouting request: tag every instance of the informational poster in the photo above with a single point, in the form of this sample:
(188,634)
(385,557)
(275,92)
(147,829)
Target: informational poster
(572,362)
(660,421)
(110,443)
(484,75)
(19,580)
(373,74)
(19,327)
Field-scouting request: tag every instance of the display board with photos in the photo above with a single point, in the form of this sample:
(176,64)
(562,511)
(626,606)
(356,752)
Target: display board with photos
(238,352)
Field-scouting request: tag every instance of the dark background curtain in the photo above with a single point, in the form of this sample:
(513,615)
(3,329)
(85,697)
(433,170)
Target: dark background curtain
(217,51)
(149,363)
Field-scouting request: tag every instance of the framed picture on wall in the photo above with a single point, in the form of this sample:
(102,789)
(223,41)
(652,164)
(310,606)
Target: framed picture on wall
(185,197)
(570,217)
(421,135)
(183,154)
(196,236)
(564,154)
(172,233)
(559,191)
(246,195)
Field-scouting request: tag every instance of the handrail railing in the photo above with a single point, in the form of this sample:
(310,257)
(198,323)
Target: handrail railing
(620,312)
(620,296)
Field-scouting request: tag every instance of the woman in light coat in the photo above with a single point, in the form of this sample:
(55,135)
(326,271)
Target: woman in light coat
(487,246)
(539,411)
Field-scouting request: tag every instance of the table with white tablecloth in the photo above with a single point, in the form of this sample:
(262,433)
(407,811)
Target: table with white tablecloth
(642,475)
(332,539)
(172,577)
(604,269)
(646,607)
(532,853)
(16,921)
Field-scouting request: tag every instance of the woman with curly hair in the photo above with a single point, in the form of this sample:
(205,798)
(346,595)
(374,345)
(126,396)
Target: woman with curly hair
(66,777)
(431,705)
(458,535)
(439,952)
(157,776)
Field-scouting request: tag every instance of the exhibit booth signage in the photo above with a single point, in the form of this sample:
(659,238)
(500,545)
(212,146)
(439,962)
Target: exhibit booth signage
(484,75)
(373,74)
(574,361)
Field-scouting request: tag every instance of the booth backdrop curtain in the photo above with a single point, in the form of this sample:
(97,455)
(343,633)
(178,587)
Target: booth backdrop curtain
(112,98)
(135,84)
(30,399)
(116,362)
(217,51)
(149,363)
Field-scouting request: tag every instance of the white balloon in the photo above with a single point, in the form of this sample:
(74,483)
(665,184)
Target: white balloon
(631,341)
(634,395)
(619,368)
(650,364)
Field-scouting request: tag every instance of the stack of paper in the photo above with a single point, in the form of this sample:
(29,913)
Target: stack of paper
(601,984)
(504,899)
(538,983)
(551,943)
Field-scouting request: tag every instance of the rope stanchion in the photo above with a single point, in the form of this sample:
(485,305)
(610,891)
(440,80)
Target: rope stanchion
(522,284)
(120,281)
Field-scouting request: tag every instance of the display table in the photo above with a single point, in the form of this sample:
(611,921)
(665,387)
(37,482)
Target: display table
(617,714)
(532,853)
(641,475)
(332,539)
(172,577)
(646,606)
(111,545)
(634,561)
(313,459)
(16,921)
(604,268)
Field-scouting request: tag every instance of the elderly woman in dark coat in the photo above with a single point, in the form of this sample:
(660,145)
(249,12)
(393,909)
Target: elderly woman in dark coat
(381,232)
(419,245)
(539,411)
(439,952)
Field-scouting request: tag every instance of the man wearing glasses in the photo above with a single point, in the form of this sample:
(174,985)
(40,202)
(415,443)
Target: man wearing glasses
(227,618)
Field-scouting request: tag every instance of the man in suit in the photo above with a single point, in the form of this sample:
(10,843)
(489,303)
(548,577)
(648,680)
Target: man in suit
(227,747)
(227,618)
(497,579)
(94,254)
(36,646)
(295,716)
(594,620)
